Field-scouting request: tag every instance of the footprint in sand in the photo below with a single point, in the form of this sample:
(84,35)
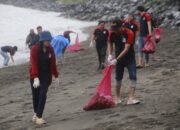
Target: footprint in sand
(65,93)
(97,119)
(66,119)
(89,87)
(131,117)
(114,115)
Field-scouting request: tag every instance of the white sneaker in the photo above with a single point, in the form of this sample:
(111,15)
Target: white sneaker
(34,118)
(133,101)
(118,101)
(40,121)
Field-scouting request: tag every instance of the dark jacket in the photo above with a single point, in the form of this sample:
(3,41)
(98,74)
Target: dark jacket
(32,39)
(34,72)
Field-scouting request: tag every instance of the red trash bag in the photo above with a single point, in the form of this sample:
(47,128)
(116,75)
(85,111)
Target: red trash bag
(149,47)
(76,47)
(102,98)
(158,34)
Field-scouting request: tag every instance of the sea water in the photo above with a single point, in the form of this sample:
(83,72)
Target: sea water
(16,22)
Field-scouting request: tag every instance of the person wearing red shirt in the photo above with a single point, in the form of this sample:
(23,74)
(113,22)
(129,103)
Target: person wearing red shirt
(124,57)
(42,68)
(132,24)
(145,30)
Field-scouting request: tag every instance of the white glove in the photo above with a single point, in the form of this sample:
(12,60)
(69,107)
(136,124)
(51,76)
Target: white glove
(36,83)
(110,57)
(57,81)
(92,43)
(113,62)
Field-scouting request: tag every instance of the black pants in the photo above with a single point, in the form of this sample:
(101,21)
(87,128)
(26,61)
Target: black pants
(39,96)
(101,51)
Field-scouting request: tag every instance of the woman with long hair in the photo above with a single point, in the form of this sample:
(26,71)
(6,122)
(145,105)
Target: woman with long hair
(43,67)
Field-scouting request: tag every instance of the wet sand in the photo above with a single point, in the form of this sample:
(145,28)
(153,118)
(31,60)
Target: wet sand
(158,89)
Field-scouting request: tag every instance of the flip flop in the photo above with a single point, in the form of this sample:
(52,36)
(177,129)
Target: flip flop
(139,66)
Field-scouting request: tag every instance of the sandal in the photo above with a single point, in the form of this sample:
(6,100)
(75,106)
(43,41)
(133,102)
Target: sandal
(139,66)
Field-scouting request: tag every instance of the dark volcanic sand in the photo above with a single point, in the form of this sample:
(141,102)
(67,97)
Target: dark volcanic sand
(158,89)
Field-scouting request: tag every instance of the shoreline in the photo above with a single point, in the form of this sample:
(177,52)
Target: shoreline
(49,20)
(83,43)
(167,12)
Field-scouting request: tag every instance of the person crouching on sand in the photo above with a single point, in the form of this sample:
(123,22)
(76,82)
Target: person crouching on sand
(43,67)
(124,57)
(4,53)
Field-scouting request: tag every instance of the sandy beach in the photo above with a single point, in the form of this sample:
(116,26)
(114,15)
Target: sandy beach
(158,89)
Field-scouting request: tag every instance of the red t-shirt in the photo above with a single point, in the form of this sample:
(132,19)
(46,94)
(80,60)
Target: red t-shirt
(117,39)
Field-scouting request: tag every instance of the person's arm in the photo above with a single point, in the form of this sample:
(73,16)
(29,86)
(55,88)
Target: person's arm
(129,40)
(110,46)
(149,27)
(53,62)
(124,52)
(148,19)
(93,38)
(110,43)
(137,29)
(34,61)
(12,59)
(73,32)
(12,52)
(27,40)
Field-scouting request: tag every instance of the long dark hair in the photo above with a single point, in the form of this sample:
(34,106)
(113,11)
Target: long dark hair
(41,46)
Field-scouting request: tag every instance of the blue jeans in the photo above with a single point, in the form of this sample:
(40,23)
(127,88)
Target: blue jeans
(5,56)
(141,44)
(131,66)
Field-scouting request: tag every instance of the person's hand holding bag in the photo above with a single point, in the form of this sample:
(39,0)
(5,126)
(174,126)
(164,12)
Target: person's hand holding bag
(36,83)
(113,62)
(57,82)
(110,57)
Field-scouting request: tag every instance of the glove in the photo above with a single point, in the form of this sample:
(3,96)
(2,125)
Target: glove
(92,43)
(57,82)
(113,62)
(110,58)
(36,83)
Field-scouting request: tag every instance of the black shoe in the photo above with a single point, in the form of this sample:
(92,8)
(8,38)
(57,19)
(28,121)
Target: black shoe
(102,66)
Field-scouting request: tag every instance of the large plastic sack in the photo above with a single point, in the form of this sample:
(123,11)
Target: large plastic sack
(150,46)
(158,34)
(102,97)
(59,43)
(75,47)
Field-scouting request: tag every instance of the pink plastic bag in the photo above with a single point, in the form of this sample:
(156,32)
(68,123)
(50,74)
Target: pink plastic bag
(76,47)
(149,47)
(158,34)
(102,98)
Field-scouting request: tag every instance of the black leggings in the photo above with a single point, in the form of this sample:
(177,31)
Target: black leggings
(101,51)
(39,96)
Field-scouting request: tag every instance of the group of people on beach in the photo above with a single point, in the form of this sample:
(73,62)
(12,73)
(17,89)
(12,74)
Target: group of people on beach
(121,37)
(31,40)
